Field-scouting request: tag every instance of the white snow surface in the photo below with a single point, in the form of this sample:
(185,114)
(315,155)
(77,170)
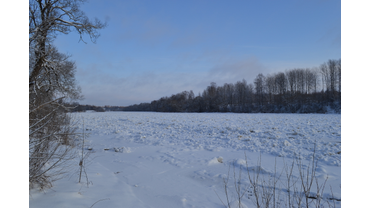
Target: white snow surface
(148,159)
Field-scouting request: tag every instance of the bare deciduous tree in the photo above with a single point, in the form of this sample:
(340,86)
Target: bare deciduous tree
(339,79)
(259,83)
(51,83)
(47,18)
(270,86)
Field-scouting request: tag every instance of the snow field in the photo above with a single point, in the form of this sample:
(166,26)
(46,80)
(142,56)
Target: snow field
(283,135)
(147,159)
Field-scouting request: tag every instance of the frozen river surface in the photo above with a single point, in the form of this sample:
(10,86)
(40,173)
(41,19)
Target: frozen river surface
(147,159)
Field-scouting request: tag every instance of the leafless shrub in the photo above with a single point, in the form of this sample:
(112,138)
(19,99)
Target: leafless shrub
(307,177)
(84,156)
(239,189)
(225,186)
(266,189)
(264,186)
(51,82)
(290,184)
(50,144)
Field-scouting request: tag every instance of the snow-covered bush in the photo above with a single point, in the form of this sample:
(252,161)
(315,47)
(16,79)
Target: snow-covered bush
(51,83)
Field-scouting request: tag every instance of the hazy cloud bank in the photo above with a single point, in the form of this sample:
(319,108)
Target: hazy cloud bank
(101,88)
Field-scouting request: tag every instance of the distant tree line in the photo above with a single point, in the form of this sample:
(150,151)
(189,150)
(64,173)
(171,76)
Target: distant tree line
(299,90)
(76,107)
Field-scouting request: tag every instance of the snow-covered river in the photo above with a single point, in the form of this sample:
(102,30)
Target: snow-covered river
(148,159)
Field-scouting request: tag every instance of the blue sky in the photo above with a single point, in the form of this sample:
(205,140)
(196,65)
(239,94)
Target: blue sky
(152,49)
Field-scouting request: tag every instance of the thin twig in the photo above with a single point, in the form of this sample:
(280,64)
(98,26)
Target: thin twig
(99,201)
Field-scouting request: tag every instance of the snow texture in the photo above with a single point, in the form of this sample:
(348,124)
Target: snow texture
(147,159)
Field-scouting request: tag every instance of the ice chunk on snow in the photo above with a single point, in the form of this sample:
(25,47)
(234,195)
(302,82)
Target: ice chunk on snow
(122,149)
(215,160)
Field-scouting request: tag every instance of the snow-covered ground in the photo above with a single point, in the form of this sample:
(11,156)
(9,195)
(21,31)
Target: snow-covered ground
(147,159)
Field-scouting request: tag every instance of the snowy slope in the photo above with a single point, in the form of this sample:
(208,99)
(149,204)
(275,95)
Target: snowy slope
(146,159)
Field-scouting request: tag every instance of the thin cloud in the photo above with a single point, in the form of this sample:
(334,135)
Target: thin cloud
(106,89)
(100,88)
(232,71)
